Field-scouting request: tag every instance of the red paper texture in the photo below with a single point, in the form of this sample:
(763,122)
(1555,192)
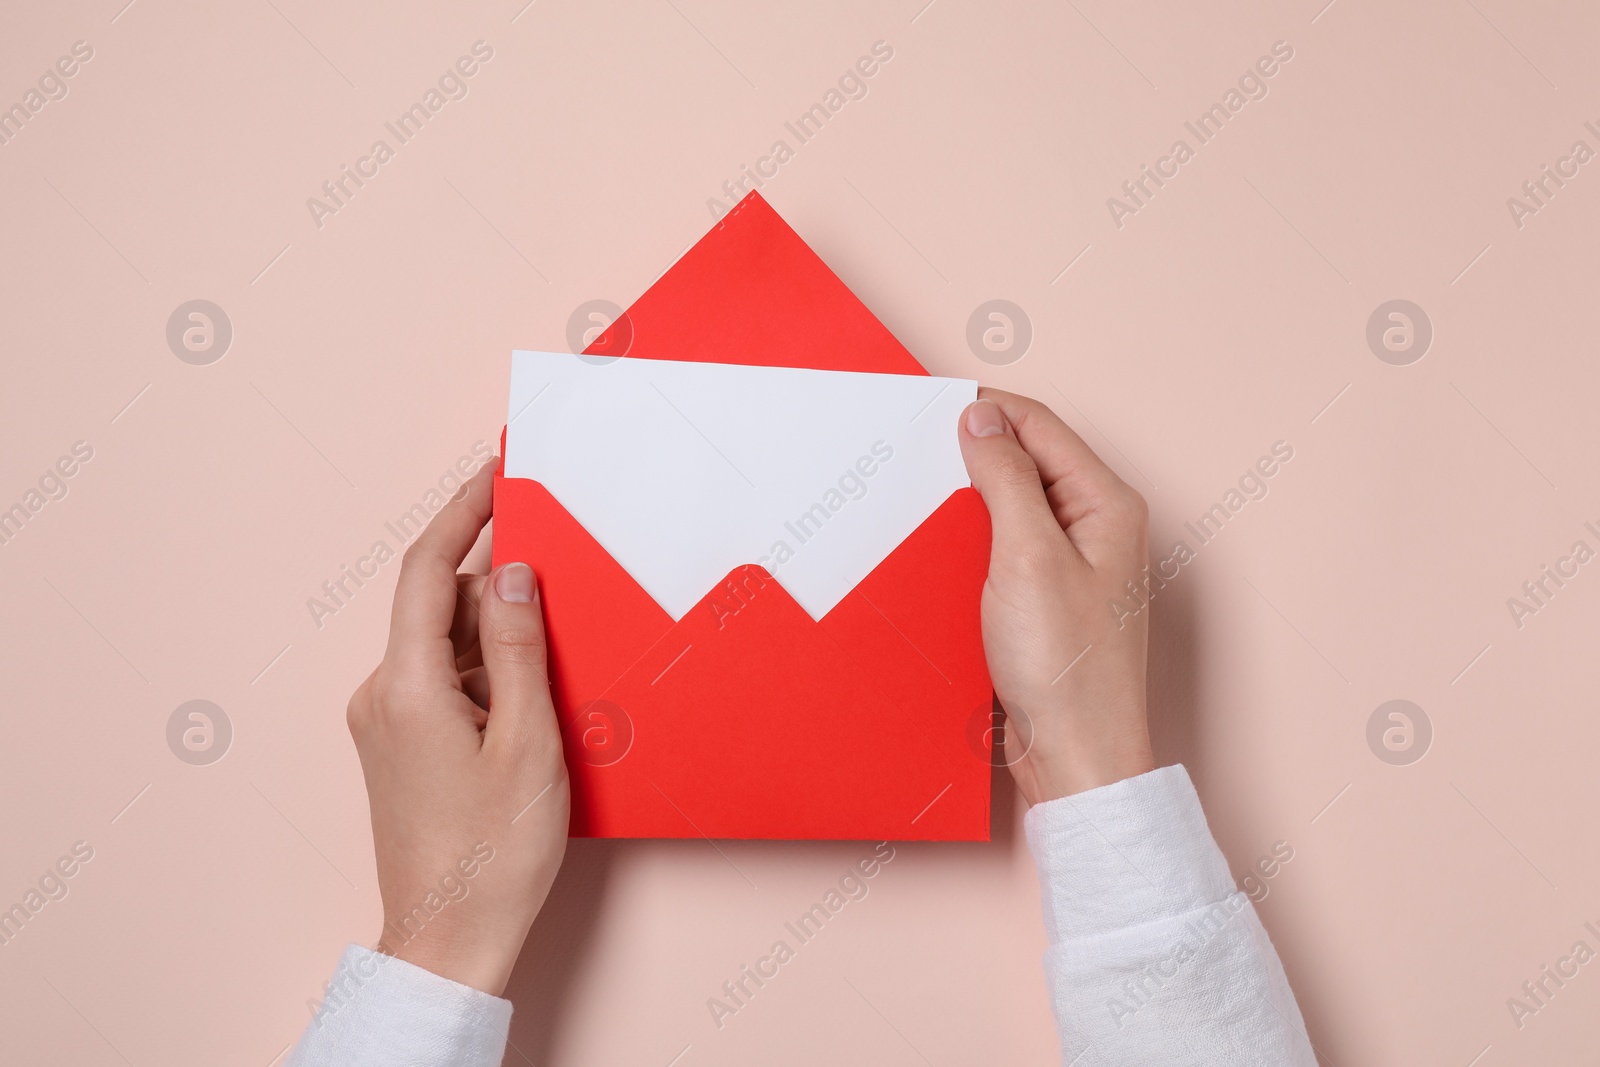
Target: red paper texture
(747,718)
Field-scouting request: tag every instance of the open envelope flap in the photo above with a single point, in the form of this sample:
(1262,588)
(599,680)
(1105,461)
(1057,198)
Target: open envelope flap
(751,291)
(683,471)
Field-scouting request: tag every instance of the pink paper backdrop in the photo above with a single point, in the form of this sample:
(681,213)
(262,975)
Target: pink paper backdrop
(1184,334)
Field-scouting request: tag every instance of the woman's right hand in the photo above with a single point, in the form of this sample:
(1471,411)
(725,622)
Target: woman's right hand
(1068,535)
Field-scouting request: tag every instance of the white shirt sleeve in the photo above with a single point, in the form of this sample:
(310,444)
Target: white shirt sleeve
(382,1012)
(1155,957)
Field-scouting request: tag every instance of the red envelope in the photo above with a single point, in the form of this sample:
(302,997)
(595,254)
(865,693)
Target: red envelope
(747,718)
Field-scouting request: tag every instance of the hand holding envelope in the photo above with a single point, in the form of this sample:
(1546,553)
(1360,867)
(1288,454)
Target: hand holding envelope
(1069,539)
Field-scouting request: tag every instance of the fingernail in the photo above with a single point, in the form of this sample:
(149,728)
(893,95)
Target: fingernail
(514,583)
(985,419)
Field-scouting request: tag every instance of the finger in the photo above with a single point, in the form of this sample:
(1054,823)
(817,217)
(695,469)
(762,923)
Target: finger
(1078,481)
(511,634)
(1007,478)
(1096,508)
(425,593)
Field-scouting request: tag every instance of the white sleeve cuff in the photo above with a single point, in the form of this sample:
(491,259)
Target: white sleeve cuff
(1154,956)
(379,1011)
(1130,852)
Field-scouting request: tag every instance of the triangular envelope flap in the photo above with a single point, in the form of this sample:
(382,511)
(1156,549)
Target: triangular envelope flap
(752,291)
(684,471)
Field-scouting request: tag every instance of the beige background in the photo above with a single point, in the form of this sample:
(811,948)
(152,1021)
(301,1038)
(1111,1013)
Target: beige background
(1226,315)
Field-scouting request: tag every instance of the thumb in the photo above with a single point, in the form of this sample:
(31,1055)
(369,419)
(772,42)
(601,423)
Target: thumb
(1008,480)
(511,634)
